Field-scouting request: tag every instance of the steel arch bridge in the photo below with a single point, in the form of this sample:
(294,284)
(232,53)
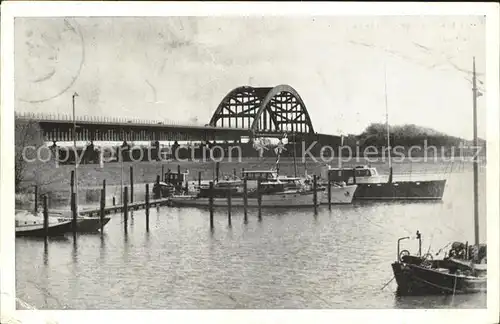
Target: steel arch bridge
(276,109)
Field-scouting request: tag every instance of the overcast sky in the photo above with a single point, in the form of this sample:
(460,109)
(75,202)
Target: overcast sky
(180,68)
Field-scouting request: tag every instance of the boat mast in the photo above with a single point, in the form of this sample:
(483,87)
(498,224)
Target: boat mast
(340,151)
(387,125)
(474,162)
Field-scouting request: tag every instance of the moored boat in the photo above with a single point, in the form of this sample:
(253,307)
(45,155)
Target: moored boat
(28,224)
(457,273)
(372,186)
(463,270)
(272,193)
(84,224)
(284,199)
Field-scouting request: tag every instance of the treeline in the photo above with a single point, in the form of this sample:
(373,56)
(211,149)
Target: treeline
(412,140)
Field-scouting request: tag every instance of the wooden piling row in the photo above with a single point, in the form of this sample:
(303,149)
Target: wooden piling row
(211,203)
(259,198)
(245,200)
(217,166)
(36,200)
(229,194)
(147,207)
(315,194)
(131,184)
(158,191)
(103,204)
(73,212)
(125,207)
(329,194)
(45,216)
(72,182)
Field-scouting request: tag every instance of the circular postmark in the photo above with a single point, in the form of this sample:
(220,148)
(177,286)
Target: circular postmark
(49,55)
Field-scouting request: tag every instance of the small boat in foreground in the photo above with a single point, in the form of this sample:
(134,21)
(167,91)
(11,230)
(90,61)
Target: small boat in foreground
(28,224)
(84,224)
(458,273)
(463,271)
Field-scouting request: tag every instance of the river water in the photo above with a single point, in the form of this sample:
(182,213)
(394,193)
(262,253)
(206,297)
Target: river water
(290,259)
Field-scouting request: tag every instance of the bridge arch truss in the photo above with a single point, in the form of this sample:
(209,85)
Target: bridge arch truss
(276,109)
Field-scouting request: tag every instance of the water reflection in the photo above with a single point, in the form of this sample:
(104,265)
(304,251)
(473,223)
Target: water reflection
(441,301)
(290,259)
(74,254)
(46,252)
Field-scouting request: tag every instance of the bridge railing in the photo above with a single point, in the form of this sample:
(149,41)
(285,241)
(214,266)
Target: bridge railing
(99,119)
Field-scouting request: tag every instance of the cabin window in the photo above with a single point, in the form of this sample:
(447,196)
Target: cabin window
(363,173)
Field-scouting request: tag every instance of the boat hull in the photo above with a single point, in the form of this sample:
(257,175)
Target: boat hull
(38,230)
(278,200)
(90,224)
(402,190)
(417,280)
(84,224)
(340,195)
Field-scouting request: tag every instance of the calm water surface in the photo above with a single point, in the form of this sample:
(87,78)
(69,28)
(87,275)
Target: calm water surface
(291,259)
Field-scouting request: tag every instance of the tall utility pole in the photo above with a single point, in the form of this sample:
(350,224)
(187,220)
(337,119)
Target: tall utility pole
(474,162)
(387,125)
(76,154)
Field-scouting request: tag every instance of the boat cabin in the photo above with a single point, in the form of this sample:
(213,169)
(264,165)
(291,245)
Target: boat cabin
(176,178)
(350,175)
(265,175)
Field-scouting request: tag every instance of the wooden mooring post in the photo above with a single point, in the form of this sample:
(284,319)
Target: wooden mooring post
(315,194)
(73,212)
(217,169)
(163,173)
(131,184)
(245,200)
(72,182)
(114,201)
(125,207)
(329,194)
(147,207)
(158,191)
(211,203)
(103,205)
(229,206)
(36,200)
(199,179)
(45,216)
(259,198)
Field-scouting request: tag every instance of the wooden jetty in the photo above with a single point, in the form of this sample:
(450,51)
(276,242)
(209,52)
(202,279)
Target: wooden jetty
(130,206)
